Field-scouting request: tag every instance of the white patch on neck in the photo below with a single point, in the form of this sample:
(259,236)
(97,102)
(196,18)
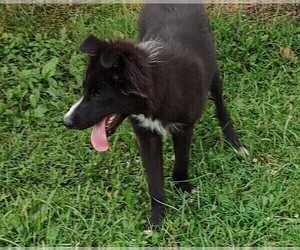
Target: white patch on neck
(72,109)
(153,48)
(156,125)
(153,125)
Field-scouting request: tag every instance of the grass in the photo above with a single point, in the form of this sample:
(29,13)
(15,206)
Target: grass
(57,191)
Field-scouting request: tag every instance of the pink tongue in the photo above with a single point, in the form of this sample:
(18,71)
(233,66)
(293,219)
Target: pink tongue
(98,137)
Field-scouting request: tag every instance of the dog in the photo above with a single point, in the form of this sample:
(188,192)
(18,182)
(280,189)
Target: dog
(160,83)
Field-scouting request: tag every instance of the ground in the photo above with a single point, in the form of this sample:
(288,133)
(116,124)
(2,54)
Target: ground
(57,191)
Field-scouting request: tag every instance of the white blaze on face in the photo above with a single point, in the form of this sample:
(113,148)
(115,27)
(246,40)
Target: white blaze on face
(68,115)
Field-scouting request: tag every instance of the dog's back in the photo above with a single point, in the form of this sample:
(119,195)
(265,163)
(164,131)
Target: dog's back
(178,36)
(183,28)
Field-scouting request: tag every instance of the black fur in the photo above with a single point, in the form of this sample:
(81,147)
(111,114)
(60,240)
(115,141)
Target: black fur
(171,87)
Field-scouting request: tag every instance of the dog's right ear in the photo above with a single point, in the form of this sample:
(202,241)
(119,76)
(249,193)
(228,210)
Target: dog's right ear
(92,45)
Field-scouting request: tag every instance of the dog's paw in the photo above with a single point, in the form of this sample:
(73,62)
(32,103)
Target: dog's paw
(157,216)
(184,186)
(155,220)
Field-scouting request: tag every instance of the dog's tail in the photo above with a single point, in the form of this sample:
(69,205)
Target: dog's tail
(216,90)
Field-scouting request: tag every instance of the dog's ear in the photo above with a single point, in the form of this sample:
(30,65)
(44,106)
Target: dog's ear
(92,45)
(111,60)
(127,72)
(114,62)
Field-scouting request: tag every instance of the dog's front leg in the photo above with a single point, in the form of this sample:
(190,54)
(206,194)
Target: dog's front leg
(151,152)
(182,143)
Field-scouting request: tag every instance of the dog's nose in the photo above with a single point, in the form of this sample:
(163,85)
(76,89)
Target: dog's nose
(67,121)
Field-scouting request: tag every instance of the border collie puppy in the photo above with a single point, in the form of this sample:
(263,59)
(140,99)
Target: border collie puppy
(161,84)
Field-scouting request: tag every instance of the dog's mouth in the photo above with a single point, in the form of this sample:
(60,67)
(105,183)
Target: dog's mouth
(103,129)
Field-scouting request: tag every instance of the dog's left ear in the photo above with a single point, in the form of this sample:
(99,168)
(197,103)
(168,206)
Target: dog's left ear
(114,62)
(125,67)
(92,45)
(111,60)
(129,68)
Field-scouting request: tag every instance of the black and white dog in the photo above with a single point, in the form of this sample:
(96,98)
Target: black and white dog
(160,83)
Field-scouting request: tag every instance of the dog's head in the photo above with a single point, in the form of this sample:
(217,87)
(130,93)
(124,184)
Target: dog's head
(115,86)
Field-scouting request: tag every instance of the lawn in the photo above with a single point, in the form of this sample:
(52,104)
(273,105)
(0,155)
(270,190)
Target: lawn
(57,191)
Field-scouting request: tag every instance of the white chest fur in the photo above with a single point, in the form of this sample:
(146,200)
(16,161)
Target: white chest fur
(156,125)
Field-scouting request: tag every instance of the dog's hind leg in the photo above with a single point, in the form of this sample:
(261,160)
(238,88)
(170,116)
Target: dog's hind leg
(150,144)
(216,90)
(182,143)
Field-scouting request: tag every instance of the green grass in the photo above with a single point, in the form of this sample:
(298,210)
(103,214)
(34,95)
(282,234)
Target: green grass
(57,191)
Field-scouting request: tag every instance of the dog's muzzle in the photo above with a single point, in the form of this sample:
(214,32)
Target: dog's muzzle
(68,122)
